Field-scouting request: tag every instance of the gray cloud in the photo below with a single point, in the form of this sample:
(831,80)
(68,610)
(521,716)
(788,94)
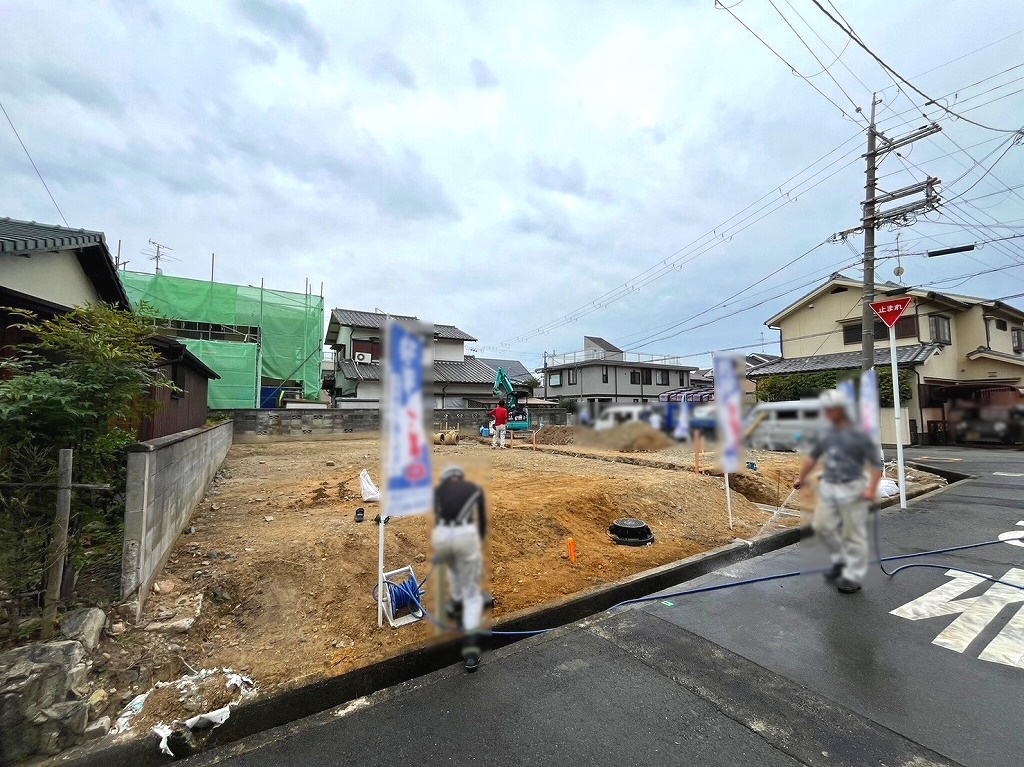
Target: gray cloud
(548,221)
(256,52)
(385,66)
(483,77)
(289,24)
(567,179)
(77,85)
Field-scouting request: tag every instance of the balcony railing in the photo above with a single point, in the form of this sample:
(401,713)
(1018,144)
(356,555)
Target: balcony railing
(595,355)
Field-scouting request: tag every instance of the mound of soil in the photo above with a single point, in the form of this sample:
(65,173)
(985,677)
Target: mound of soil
(628,438)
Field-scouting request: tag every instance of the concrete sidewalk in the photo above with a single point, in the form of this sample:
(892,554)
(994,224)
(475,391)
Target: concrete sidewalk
(779,673)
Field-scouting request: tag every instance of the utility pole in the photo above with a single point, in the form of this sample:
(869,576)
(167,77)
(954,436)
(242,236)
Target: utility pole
(872,218)
(867,352)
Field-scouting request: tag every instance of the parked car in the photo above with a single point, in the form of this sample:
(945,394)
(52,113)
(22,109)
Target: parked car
(783,425)
(704,419)
(616,415)
(989,424)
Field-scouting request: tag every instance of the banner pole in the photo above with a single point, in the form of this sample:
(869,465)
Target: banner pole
(899,427)
(728,499)
(380,571)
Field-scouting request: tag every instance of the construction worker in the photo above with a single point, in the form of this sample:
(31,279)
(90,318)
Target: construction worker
(457,540)
(844,495)
(499,424)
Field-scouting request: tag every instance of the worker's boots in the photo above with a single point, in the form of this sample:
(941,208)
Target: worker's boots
(453,609)
(471,651)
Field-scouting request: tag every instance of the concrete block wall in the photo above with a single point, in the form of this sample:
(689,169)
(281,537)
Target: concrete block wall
(298,424)
(167,477)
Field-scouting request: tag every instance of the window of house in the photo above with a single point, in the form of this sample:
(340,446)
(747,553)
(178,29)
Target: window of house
(645,376)
(571,375)
(938,327)
(604,374)
(555,379)
(661,378)
(1001,325)
(906,327)
(1018,340)
(634,377)
(682,378)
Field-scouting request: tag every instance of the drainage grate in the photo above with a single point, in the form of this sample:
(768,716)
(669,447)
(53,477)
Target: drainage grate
(630,532)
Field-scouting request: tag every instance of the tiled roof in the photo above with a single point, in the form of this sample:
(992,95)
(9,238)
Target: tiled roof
(906,356)
(358,319)
(514,369)
(470,370)
(28,236)
(24,238)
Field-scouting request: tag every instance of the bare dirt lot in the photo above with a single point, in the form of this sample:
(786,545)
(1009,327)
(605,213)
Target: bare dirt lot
(273,578)
(285,574)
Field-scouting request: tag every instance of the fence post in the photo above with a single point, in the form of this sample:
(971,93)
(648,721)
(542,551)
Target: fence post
(58,544)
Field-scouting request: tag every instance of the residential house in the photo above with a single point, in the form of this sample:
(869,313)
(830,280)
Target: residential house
(517,372)
(602,374)
(49,270)
(957,347)
(703,381)
(459,379)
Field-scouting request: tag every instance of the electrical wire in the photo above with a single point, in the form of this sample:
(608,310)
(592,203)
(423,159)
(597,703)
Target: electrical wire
(793,69)
(34,166)
(892,72)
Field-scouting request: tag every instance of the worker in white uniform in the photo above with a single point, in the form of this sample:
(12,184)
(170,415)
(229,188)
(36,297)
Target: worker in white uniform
(846,491)
(460,524)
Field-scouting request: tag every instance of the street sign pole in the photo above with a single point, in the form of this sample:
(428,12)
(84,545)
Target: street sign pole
(902,473)
(889,312)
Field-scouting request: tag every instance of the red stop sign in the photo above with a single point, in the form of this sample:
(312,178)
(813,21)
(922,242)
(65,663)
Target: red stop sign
(891,310)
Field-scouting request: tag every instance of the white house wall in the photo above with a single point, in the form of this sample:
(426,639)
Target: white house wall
(55,277)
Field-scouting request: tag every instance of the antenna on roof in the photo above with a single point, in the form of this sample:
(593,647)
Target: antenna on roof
(156,253)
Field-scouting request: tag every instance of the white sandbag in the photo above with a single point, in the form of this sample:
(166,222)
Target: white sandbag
(888,488)
(370,492)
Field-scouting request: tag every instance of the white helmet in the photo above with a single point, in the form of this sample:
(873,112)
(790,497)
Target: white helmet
(833,398)
(451,470)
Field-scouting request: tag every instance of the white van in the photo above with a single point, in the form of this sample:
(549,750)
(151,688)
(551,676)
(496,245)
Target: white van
(783,425)
(616,415)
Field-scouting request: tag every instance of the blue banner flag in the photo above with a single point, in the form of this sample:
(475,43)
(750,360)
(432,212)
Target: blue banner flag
(728,400)
(408,478)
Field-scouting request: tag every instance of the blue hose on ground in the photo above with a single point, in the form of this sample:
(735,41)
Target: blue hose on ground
(882,560)
(410,591)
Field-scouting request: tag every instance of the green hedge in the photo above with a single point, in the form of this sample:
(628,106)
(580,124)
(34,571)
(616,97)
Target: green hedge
(785,388)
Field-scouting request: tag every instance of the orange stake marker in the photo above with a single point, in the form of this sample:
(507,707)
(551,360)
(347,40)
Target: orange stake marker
(572,551)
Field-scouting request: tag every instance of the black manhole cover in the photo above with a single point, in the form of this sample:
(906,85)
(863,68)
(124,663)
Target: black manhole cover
(630,532)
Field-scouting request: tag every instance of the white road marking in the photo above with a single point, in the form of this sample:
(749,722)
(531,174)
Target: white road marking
(1007,474)
(974,614)
(1014,537)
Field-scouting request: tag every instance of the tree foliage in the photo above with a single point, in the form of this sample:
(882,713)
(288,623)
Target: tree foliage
(80,380)
(795,386)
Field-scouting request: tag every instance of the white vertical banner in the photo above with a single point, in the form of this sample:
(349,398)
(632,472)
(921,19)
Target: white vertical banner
(408,479)
(870,409)
(848,390)
(728,398)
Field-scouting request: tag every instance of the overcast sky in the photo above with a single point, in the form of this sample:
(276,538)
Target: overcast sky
(496,165)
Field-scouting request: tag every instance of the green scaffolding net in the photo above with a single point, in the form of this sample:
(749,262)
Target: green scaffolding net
(290,332)
(235,363)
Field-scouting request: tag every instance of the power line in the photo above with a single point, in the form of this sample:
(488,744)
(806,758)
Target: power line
(34,166)
(792,68)
(853,36)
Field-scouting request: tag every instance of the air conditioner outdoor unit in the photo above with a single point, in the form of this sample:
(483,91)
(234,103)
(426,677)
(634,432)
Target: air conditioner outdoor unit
(363,357)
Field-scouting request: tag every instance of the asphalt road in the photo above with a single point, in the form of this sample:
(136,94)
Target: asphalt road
(785,672)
